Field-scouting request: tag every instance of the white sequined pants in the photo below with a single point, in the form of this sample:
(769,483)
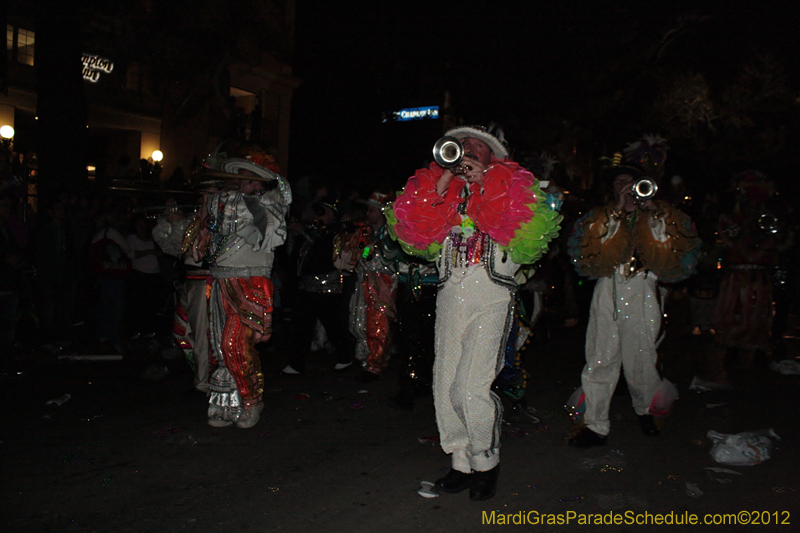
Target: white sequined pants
(629,341)
(472,314)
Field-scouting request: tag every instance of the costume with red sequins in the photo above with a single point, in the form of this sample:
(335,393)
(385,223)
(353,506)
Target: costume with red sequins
(479,235)
(373,306)
(244,232)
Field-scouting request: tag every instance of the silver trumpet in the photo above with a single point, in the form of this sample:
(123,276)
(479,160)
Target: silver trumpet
(768,222)
(644,189)
(448,152)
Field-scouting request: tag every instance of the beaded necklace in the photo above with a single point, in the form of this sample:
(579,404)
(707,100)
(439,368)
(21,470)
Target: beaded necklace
(222,243)
(468,242)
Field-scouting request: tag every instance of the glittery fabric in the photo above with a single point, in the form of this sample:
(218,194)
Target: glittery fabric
(169,235)
(224,401)
(627,340)
(628,253)
(190,327)
(506,206)
(240,316)
(663,242)
(473,319)
(244,230)
(373,306)
(742,315)
(372,316)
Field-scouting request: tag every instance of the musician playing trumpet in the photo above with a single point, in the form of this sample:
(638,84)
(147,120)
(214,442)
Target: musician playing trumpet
(479,222)
(190,321)
(243,226)
(630,244)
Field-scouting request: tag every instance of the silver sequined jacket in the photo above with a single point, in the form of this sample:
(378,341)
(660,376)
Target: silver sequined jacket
(245,230)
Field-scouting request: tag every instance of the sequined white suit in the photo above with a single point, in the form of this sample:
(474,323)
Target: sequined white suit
(623,332)
(474,308)
(479,234)
(629,340)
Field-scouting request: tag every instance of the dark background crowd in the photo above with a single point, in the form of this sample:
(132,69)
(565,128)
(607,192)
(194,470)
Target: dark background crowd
(51,295)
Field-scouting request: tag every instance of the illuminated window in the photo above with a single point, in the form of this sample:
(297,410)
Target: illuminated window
(20,44)
(25,40)
(138,78)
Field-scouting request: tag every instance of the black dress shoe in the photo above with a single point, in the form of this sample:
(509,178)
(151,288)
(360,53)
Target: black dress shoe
(454,482)
(587,438)
(484,484)
(648,425)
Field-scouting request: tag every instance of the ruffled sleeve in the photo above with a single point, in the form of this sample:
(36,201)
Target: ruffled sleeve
(421,218)
(592,253)
(511,209)
(508,206)
(673,258)
(502,206)
(169,235)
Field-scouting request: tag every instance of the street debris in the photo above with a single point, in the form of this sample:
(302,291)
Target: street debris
(700,385)
(693,490)
(427,490)
(786,367)
(61,400)
(743,449)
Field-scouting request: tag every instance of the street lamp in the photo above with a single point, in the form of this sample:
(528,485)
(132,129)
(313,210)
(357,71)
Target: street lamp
(7,134)
(157,156)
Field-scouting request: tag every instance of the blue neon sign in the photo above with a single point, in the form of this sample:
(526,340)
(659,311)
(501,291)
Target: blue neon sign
(413,113)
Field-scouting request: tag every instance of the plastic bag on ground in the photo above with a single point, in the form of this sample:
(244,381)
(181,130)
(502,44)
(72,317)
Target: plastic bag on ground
(786,367)
(743,449)
(664,398)
(700,385)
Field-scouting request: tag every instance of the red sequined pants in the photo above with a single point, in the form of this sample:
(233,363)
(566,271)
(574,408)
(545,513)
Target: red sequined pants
(247,303)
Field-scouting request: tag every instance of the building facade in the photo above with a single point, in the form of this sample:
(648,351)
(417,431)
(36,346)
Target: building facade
(178,77)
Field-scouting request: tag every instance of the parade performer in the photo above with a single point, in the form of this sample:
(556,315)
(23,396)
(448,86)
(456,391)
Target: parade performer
(480,221)
(320,289)
(373,307)
(415,339)
(753,239)
(629,245)
(190,322)
(244,225)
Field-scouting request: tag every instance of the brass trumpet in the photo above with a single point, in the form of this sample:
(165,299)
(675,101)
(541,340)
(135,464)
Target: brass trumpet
(448,152)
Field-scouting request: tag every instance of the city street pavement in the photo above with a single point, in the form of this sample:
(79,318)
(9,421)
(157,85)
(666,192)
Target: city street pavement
(126,454)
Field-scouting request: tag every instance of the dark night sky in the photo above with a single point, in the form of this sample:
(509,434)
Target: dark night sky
(543,70)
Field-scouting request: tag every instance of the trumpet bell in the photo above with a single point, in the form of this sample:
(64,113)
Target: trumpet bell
(768,222)
(644,189)
(448,152)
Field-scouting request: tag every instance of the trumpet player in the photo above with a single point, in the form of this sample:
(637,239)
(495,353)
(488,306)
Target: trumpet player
(479,221)
(190,322)
(630,244)
(243,227)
